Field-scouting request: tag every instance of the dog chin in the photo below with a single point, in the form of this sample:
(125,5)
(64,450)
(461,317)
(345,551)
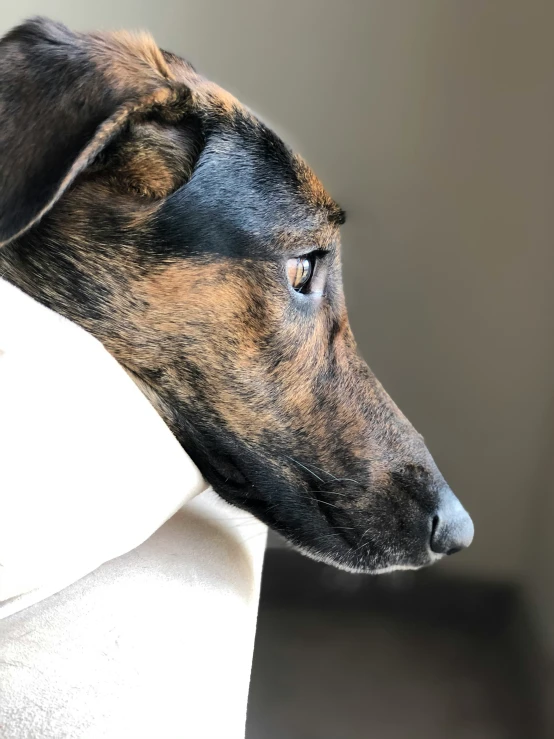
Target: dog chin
(342,563)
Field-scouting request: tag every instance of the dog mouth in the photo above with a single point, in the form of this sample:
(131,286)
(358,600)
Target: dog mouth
(358,558)
(359,568)
(235,486)
(329,519)
(318,528)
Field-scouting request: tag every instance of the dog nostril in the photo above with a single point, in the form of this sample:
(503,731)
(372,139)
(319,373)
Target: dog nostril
(451,526)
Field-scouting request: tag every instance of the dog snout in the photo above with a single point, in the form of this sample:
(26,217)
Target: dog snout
(452,527)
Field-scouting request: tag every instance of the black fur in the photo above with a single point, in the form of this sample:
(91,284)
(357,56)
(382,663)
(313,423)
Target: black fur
(169,242)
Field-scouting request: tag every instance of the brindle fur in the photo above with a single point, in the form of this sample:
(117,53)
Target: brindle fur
(147,205)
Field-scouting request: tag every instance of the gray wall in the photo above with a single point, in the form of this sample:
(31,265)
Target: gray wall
(431,121)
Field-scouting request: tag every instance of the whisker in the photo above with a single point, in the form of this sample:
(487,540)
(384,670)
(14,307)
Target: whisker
(337,479)
(324,502)
(331,492)
(324,471)
(363,543)
(306,468)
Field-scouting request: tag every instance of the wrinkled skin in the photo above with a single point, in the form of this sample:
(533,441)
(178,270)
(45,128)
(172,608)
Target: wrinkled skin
(169,241)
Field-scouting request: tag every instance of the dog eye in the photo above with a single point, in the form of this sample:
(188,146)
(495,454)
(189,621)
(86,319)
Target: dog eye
(299,272)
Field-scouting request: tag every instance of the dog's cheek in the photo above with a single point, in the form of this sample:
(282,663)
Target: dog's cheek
(208,322)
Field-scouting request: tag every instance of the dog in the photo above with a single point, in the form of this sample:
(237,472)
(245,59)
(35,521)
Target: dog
(150,207)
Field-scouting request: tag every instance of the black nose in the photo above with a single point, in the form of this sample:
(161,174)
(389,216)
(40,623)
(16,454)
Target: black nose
(452,528)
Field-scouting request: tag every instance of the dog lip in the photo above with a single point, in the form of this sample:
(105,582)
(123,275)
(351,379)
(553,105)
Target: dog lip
(343,563)
(221,473)
(346,537)
(227,470)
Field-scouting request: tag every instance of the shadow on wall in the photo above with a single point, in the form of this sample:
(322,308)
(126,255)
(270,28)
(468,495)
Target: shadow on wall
(407,655)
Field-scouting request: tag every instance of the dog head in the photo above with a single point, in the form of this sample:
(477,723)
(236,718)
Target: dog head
(149,206)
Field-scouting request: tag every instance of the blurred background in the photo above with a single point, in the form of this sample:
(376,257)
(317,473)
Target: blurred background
(431,122)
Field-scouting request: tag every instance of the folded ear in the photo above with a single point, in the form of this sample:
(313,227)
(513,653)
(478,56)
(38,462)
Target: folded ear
(63,98)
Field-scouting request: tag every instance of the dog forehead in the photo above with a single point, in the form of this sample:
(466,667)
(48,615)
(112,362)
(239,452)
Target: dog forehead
(238,128)
(241,202)
(249,191)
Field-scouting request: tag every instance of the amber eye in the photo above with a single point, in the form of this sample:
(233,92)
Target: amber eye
(299,272)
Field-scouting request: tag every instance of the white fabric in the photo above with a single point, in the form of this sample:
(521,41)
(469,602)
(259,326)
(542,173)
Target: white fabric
(155,643)
(88,469)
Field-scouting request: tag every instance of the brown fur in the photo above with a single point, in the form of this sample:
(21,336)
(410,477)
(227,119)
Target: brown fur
(167,235)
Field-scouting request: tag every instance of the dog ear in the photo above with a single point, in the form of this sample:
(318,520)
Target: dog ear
(151,158)
(64,98)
